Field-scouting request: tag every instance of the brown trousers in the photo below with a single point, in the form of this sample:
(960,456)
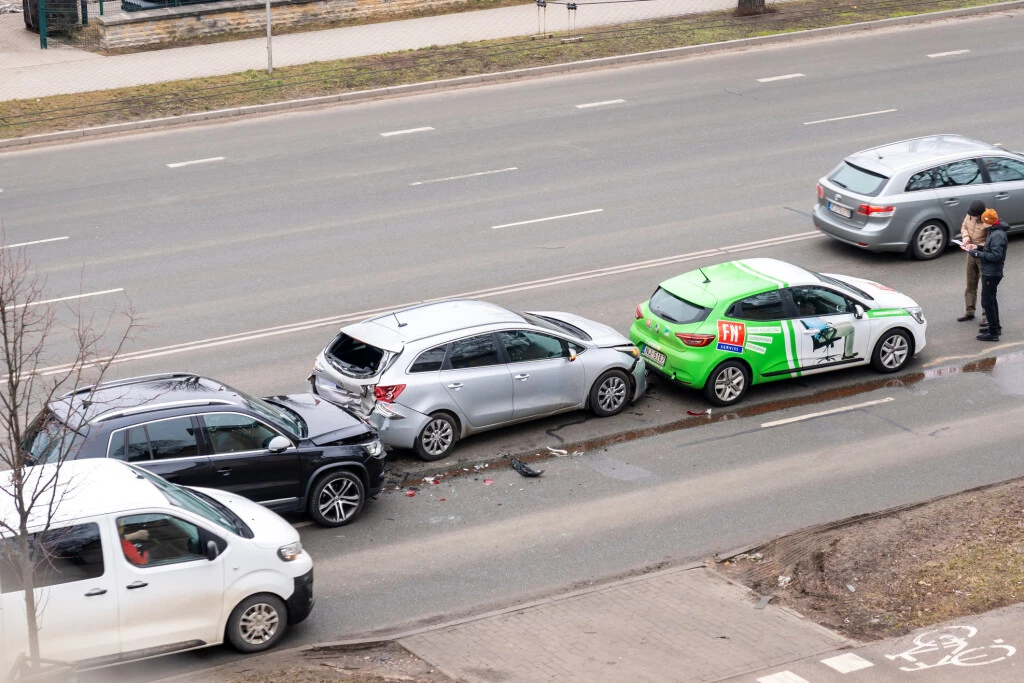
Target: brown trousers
(971,293)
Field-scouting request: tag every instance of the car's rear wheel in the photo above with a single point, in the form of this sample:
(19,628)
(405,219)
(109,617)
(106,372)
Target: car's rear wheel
(727,383)
(337,498)
(610,393)
(892,352)
(929,241)
(257,623)
(437,438)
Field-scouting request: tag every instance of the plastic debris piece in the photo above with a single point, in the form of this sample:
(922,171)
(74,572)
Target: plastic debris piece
(441,500)
(763,602)
(557,451)
(488,482)
(784,581)
(410,494)
(524,469)
(852,589)
(700,412)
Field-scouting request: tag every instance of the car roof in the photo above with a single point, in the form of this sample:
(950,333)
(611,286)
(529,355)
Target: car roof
(392,331)
(735,279)
(919,152)
(82,488)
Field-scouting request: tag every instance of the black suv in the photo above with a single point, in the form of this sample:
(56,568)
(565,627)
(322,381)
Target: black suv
(290,453)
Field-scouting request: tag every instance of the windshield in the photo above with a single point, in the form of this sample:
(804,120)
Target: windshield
(842,285)
(554,325)
(286,419)
(49,439)
(198,504)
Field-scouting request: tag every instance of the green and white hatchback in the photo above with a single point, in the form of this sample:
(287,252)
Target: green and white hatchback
(725,327)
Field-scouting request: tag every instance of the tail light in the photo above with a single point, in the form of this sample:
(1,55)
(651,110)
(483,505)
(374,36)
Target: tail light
(695,339)
(388,394)
(638,314)
(880,211)
(821,191)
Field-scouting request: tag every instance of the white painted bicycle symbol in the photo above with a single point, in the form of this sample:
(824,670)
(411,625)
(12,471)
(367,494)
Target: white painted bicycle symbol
(952,641)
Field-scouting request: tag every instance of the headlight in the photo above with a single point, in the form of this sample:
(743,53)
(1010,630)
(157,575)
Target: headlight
(290,552)
(917,313)
(374,449)
(629,350)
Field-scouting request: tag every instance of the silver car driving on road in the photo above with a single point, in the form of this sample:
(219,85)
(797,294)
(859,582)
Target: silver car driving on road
(913,195)
(429,375)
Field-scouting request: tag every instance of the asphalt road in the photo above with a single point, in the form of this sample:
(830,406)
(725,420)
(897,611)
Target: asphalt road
(243,266)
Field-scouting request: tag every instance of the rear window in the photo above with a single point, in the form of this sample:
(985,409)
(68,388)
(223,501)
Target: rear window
(858,180)
(50,439)
(355,358)
(675,310)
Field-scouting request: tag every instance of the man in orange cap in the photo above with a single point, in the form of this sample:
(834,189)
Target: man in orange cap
(992,256)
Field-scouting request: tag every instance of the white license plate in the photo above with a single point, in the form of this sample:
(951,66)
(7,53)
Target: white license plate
(657,356)
(841,210)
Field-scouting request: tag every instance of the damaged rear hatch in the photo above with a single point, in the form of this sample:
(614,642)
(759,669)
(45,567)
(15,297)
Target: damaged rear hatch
(348,370)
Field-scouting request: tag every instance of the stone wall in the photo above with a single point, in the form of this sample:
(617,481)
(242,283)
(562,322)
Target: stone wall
(170,24)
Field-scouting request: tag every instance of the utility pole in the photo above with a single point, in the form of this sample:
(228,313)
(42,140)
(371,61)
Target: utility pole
(270,52)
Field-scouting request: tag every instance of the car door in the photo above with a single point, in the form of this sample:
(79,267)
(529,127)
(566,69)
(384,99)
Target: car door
(242,463)
(169,448)
(761,330)
(956,185)
(544,379)
(76,595)
(1007,182)
(477,379)
(169,592)
(827,329)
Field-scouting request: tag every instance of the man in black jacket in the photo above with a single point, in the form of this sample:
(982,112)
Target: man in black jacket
(992,256)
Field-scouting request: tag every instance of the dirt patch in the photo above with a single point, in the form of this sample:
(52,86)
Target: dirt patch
(886,575)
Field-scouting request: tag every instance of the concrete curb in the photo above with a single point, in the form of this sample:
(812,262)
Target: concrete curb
(377,93)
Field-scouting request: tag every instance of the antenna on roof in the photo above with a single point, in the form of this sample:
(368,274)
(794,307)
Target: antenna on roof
(706,280)
(400,323)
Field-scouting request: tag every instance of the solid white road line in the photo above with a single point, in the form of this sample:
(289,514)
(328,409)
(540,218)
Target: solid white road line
(406,131)
(779,78)
(549,218)
(782,677)
(68,298)
(598,104)
(811,416)
(460,177)
(852,116)
(846,663)
(948,54)
(25,244)
(355,316)
(194,162)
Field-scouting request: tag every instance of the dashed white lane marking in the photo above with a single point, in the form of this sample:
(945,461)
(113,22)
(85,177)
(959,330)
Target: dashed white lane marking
(26,244)
(194,162)
(407,131)
(846,663)
(69,298)
(460,177)
(810,416)
(851,116)
(779,78)
(549,218)
(335,320)
(948,54)
(782,677)
(598,104)
(299,525)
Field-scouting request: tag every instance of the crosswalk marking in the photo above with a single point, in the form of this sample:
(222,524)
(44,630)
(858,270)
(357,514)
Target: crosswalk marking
(846,663)
(782,677)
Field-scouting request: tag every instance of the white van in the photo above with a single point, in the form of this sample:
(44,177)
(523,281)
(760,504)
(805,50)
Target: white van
(140,567)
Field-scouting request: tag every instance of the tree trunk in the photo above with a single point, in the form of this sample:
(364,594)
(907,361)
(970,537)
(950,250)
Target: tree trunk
(28,586)
(745,8)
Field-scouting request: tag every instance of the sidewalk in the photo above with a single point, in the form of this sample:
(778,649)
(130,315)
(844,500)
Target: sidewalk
(26,71)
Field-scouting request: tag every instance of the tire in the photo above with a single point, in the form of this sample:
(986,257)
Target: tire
(257,623)
(337,498)
(438,437)
(727,383)
(929,241)
(609,395)
(893,351)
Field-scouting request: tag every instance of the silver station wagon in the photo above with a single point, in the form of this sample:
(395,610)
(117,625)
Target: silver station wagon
(429,375)
(913,195)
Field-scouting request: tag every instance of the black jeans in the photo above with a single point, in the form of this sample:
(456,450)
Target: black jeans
(989,285)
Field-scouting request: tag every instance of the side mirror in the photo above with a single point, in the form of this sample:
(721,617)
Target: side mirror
(279,444)
(211,551)
(572,357)
(858,311)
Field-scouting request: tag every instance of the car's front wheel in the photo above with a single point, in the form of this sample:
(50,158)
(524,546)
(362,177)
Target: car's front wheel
(257,623)
(610,393)
(337,498)
(929,241)
(437,438)
(727,383)
(892,352)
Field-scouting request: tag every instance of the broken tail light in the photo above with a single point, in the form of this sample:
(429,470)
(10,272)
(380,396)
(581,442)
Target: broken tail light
(387,394)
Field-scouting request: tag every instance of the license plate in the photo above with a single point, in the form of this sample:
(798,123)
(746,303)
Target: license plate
(841,210)
(657,356)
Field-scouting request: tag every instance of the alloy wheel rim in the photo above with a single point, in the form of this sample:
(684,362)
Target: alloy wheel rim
(894,351)
(338,500)
(729,384)
(612,394)
(437,437)
(258,624)
(930,240)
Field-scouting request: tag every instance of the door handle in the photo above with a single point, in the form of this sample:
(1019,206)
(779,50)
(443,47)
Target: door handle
(1003,195)
(136,584)
(455,385)
(951,202)
(95,591)
(522,378)
(224,471)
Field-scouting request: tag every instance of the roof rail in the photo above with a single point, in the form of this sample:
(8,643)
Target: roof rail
(149,407)
(128,381)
